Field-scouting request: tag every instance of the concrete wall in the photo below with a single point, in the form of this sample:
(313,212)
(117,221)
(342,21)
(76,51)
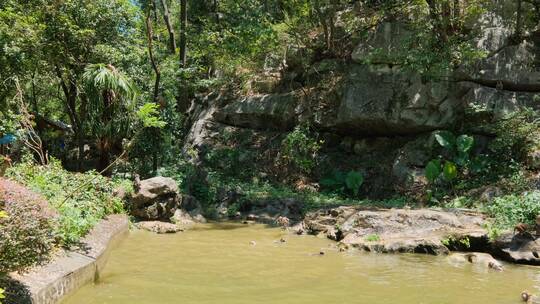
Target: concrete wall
(70,270)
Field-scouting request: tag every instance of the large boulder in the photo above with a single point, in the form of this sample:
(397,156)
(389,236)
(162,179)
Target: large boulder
(155,199)
(400,230)
(520,248)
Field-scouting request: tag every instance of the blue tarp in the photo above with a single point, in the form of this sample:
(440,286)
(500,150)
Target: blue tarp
(7,139)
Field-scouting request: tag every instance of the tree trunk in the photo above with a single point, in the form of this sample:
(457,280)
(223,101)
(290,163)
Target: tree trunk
(183,35)
(502,84)
(149,36)
(519,19)
(104,156)
(437,21)
(216,10)
(324,23)
(170,29)
(70,93)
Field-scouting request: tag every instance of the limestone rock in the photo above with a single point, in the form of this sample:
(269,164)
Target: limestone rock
(156,199)
(519,248)
(383,100)
(483,259)
(263,112)
(384,44)
(397,230)
(158,227)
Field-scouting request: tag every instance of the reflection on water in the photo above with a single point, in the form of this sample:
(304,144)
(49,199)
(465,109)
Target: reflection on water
(217,264)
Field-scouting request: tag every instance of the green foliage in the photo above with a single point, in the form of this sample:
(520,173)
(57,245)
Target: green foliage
(78,214)
(148,114)
(433,170)
(111,95)
(2,295)
(450,171)
(516,134)
(509,210)
(452,241)
(457,158)
(339,182)
(300,148)
(372,238)
(9,121)
(493,231)
(446,139)
(354,180)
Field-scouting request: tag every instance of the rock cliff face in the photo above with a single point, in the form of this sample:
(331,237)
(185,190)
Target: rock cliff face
(377,115)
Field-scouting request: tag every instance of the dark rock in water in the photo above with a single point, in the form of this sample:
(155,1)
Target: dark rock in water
(281,212)
(156,199)
(521,248)
(252,217)
(158,227)
(398,230)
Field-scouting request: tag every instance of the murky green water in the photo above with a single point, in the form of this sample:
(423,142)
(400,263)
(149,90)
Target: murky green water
(217,264)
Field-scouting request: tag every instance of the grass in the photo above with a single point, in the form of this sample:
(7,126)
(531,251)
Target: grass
(80,212)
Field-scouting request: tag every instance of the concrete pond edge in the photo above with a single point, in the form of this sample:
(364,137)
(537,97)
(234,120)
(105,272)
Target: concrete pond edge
(70,270)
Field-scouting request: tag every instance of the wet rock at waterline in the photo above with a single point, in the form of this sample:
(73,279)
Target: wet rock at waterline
(399,230)
(155,199)
(158,227)
(522,248)
(483,259)
(280,212)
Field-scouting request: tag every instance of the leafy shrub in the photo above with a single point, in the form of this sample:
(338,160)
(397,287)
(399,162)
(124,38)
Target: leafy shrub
(516,134)
(340,182)
(509,210)
(80,203)
(457,156)
(26,228)
(300,148)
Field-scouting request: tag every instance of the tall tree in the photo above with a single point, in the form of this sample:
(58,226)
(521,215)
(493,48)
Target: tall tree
(150,39)
(170,29)
(183,34)
(111,98)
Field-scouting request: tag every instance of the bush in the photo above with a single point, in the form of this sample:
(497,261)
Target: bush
(516,134)
(26,234)
(300,149)
(80,199)
(509,210)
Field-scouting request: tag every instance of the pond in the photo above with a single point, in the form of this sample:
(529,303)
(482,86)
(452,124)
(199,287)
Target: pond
(219,263)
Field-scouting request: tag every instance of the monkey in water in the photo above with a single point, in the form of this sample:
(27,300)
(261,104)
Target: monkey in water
(529,298)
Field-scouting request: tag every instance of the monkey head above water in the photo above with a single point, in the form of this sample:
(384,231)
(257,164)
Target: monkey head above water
(529,298)
(283,221)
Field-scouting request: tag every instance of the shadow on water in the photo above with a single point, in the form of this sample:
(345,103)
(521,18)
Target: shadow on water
(15,292)
(224,226)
